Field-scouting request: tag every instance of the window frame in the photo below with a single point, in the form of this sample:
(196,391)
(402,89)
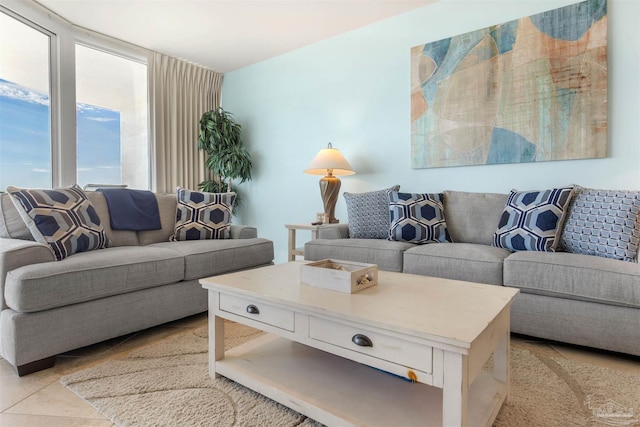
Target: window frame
(63,37)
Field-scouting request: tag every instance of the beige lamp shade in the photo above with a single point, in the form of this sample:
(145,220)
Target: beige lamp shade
(329,163)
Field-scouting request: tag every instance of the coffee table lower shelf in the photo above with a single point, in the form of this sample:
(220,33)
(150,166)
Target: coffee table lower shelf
(339,392)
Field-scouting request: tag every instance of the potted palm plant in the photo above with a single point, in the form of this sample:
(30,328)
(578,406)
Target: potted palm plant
(220,138)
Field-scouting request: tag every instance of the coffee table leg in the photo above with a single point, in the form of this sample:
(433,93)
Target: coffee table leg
(216,335)
(501,363)
(454,390)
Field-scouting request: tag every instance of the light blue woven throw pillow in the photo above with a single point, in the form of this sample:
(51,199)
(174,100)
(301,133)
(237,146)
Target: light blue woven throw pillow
(532,220)
(368,213)
(603,223)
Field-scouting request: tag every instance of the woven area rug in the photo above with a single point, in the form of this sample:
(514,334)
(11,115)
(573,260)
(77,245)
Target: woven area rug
(167,384)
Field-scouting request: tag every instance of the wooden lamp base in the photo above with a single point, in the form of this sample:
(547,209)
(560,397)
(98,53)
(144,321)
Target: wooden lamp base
(329,190)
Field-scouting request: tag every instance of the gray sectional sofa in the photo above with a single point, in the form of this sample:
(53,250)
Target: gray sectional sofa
(570,297)
(140,280)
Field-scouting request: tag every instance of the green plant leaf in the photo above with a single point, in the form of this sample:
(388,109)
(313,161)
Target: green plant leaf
(220,138)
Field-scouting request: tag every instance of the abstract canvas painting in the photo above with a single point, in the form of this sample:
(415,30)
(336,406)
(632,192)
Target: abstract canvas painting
(529,90)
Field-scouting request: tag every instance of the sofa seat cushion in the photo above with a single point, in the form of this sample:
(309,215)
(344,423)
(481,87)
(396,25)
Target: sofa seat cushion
(386,254)
(458,261)
(203,258)
(575,276)
(91,275)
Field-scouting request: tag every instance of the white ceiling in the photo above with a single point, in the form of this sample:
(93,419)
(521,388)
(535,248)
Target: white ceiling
(225,35)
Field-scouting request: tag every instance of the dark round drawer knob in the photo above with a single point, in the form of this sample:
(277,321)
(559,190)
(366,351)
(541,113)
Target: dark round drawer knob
(252,309)
(362,340)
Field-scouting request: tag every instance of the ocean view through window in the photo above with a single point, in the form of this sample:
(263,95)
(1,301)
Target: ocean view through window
(25,115)
(25,157)
(73,107)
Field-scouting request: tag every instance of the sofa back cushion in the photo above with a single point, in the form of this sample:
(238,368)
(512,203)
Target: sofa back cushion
(114,237)
(473,217)
(167,203)
(12,226)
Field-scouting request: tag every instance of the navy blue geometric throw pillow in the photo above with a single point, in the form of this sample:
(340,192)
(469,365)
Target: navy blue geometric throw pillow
(417,218)
(202,216)
(532,220)
(63,218)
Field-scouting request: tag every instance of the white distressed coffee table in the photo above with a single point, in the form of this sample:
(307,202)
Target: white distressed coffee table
(322,347)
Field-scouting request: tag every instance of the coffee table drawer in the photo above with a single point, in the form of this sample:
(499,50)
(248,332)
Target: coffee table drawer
(258,311)
(381,346)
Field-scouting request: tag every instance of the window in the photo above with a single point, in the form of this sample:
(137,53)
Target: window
(111,119)
(25,115)
(73,104)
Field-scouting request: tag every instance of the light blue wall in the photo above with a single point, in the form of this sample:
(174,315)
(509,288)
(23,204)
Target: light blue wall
(354,90)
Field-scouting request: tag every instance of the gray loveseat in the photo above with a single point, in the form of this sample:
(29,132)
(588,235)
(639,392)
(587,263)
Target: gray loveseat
(140,280)
(574,298)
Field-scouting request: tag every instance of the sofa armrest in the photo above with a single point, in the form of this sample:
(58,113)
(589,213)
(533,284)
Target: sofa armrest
(15,253)
(243,232)
(333,231)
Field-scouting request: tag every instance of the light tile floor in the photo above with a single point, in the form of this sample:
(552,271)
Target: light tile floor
(40,400)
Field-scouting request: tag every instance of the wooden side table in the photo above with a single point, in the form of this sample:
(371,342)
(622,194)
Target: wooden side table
(293,251)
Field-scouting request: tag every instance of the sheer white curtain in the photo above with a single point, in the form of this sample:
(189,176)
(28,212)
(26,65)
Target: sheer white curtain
(179,93)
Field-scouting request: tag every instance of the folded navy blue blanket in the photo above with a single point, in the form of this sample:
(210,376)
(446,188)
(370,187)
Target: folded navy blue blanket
(135,210)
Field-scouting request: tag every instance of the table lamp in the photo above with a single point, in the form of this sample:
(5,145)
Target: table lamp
(329,162)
